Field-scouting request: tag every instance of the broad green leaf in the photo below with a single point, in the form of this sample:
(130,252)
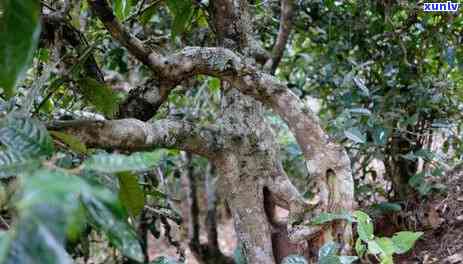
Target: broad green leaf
(360,248)
(74,143)
(53,187)
(386,207)
(182,12)
(77,223)
(35,242)
(19,34)
(355,135)
(25,136)
(328,249)
(148,14)
(214,85)
(101,96)
(47,198)
(12,163)
(380,135)
(364,226)
(115,226)
(373,247)
(387,260)
(328,217)
(130,193)
(122,8)
(386,245)
(404,241)
(111,163)
(294,259)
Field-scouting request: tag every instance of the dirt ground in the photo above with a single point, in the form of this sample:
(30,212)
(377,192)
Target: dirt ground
(442,241)
(439,217)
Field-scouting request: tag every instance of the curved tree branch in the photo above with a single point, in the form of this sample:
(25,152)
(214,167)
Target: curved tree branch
(135,135)
(286,24)
(327,162)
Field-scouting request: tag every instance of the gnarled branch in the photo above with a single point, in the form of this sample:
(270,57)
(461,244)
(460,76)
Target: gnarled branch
(135,135)
(327,162)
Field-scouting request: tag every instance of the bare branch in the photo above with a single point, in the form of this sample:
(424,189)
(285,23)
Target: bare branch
(286,24)
(117,30)
(135,135)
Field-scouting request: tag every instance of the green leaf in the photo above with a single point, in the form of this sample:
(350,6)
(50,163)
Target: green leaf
(328,249)
(355,135)
(74,143)
(387,260)
(122,8)
(107,219)
(101,96)
(364,226)
(380,135)
(12,163)
(111,163)
(25,136)
(360,248)
(294,259)
(214,85)
(386,245)
(19,34)
(148,14)
(47,198)
(130,193)
(373,247)
(51,187)
(386,207)
(35,242)
(182,12)
(328,217)
(404,241)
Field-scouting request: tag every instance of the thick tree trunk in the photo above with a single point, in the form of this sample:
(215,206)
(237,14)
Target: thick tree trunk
(399,169)
(241,145)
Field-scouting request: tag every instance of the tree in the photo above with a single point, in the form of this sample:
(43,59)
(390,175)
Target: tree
(241,144)
(171,47)
(388,75)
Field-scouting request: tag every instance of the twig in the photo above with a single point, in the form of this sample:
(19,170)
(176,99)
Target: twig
(4,222)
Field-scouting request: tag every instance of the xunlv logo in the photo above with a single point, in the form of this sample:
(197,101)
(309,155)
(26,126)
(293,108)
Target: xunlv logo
(441,7)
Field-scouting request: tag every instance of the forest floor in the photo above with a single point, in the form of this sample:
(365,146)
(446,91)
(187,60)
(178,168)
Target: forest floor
(442,242)
(439,217)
